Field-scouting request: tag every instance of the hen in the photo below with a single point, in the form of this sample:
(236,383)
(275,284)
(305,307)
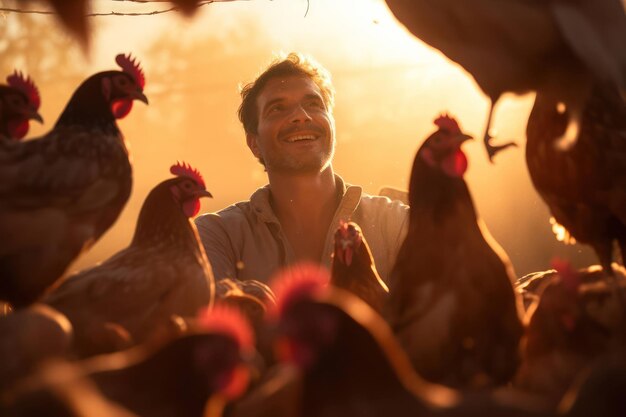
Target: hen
(353,267)
(350,362)
(585,185)
(575,321)
(59,193)
(19,102)
(553,47)
(164,272)
(451,300)
(189,376)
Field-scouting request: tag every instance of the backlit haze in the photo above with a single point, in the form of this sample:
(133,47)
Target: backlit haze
(389,88)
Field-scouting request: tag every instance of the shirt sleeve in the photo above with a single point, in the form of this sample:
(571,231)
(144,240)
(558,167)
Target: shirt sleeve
(218,245)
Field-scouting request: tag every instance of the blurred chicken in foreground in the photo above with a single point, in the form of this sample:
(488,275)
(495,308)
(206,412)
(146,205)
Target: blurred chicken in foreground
(29,337)
(59,193)
(557,48)
(353,267)
(193,375)
(451,302)
(19,103)
(584,186)
(164,272)
(350,363)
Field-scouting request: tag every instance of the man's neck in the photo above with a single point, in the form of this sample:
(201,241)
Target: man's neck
(305,206)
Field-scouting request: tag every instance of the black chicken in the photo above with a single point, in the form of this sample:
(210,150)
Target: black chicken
(553,47)
(353,267)
(59,193)
(451,300)
(163,273)
(584,186)
(19,103)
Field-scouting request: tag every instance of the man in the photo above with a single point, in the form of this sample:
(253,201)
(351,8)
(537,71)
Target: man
(287,116)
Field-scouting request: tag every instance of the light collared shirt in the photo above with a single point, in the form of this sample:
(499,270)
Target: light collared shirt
(246,241)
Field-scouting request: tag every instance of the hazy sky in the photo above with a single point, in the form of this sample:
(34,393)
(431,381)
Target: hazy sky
(390,87)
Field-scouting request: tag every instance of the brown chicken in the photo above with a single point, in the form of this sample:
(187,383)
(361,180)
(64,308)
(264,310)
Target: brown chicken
(29,337)
(451,300)
(575,321)
(554,47)
(163,273)
(19,103)
(59,193)
(584,186)
(352,365)
(196,373)
(353,267)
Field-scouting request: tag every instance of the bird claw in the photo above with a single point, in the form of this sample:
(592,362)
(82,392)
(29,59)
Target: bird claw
(492,150)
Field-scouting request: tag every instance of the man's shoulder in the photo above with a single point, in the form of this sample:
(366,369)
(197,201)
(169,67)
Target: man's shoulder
(382,204)
(231,215)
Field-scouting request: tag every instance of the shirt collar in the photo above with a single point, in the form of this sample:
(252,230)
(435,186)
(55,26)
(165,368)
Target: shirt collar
(350,197)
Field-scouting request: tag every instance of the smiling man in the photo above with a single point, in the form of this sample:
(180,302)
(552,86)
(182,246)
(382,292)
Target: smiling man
(287,117)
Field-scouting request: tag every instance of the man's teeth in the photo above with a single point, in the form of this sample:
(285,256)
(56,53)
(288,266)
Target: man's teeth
(300,137)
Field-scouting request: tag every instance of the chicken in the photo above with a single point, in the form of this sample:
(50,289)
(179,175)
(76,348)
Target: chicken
(350,362)
(575,321)
(29,337)
(59,193)
(197,372)
(554,47)
(353,267)
(19,102)
(451,300)
(164,272)
(584,186)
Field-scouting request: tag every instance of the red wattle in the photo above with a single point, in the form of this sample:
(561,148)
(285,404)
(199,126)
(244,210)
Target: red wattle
(455,165)
(191,207)
(18,128)
(121,108)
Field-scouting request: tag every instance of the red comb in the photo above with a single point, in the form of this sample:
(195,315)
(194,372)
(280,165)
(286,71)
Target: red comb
(183,169)
(448,123)
(229,321)
(569,276)
(131,66)
(27,86)
(300,281)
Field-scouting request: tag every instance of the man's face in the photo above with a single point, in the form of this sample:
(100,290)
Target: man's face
(296,132)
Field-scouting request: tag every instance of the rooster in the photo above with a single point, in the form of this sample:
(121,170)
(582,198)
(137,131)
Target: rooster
(189,376)
(584,186)
(451,300)
(353,267)
(554,47)
(19,104)
(350,362)
(59,193)
(164,272)
(575,321)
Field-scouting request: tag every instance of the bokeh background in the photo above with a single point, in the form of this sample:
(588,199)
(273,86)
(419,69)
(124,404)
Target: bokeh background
(390,87)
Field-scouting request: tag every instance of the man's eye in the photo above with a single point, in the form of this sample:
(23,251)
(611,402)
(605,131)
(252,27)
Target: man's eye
(315,104)
(276,108)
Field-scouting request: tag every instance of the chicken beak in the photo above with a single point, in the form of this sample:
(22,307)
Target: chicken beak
(463,137)
(204,193)
(36,116)
(139,95)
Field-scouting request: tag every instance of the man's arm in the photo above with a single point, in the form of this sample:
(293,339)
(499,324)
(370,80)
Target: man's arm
(218,246)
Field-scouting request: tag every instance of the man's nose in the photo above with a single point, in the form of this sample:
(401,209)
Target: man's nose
(299,114)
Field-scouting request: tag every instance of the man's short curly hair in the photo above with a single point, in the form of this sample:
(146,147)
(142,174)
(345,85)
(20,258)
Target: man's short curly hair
(292,64)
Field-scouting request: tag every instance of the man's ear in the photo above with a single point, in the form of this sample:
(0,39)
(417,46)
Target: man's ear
(251,139)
